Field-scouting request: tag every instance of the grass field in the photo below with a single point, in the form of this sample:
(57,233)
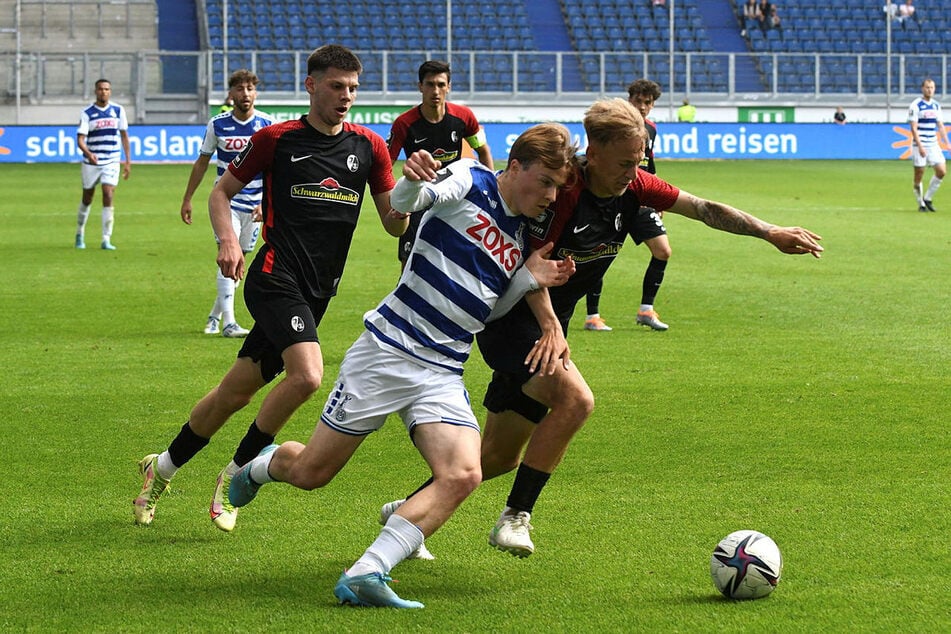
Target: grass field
(802,398)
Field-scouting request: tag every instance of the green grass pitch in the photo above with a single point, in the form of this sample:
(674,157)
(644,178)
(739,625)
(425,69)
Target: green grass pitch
(803,398)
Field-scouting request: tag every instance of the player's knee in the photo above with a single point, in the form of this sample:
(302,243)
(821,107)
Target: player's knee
(461,481)
(305,383)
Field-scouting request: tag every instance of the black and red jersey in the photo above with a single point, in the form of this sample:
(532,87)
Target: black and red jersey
(411,132)
(314,186)
(592,231)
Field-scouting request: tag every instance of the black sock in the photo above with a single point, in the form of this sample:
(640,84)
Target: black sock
(186,444)
(653,277)
(593,298)
(527,487)
(251,445)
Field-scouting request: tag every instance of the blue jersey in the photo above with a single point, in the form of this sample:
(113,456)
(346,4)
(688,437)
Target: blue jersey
(928,116)
(468,249)
(227,136)
(101,127)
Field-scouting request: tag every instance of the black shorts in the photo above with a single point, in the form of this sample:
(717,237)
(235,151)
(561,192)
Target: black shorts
(409,236)
(504,346)
(505,393)
(282,317)
(647,224)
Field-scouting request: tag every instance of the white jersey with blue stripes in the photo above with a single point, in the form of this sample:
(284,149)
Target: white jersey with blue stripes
(227,136)
(101,127)
(468,248)
(928,115)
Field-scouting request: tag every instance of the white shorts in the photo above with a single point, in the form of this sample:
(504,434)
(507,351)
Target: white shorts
(107,174)
(375,382)
(246,229)
(933,156)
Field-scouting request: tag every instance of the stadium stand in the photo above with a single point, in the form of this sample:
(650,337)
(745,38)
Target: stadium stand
(500,48)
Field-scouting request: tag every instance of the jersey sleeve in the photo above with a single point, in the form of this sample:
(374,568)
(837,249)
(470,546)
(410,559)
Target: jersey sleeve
(256,156)
(123,121)
(397,137)
(381,173)
(474,134)
(913,112)
(83,123)
(210,143)
(654,192)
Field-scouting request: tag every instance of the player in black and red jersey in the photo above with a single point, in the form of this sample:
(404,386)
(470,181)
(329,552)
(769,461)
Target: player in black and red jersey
(649,227)
(315,172)
(533,417)
(438,127)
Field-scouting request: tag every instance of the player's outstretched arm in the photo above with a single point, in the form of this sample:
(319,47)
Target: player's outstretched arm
(793,240)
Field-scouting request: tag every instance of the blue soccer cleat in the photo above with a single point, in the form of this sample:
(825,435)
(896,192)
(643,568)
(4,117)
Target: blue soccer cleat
(80,242)
(242,488)
(370,591)
(107,245)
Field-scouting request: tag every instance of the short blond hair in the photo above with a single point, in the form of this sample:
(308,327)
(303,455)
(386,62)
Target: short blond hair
(547,143)
(609,120)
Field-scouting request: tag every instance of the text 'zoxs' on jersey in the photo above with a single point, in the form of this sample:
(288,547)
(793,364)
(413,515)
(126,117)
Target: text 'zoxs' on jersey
(314,186)
(469,247)
(226,136)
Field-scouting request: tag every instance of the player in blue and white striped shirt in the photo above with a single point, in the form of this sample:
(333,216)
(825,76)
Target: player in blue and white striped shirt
(226,134)
(102,127)
(467,264)
(927,131)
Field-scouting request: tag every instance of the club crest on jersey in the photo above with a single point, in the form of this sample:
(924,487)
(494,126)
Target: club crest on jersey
(618,222)
(454,136)
(328,189)
(353,163)
(297,324)
(494,242)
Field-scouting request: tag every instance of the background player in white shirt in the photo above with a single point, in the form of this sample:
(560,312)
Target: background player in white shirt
(102,126)
(927,128)
(227,134)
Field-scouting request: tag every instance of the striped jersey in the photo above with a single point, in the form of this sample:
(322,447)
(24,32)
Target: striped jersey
(469,247)
(227,136)
(101,127)
(928,116)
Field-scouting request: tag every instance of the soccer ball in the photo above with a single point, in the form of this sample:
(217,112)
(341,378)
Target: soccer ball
(746,565)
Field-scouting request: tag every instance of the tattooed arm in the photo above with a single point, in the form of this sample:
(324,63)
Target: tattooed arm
(795,240)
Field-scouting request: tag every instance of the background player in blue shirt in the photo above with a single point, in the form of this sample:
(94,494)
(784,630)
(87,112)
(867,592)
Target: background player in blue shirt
(102,127)
(226,134)
(927,131)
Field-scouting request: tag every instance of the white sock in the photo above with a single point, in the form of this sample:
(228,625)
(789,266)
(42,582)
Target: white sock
(225,301)
(646,308)
(593,316)
(82,215)
(932,188)
(164,466)
(919,195)
(259,468)
(397,541)
(216,310)
(108,214)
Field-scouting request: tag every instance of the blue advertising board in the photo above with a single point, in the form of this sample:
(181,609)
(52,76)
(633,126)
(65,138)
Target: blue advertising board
(57,144)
